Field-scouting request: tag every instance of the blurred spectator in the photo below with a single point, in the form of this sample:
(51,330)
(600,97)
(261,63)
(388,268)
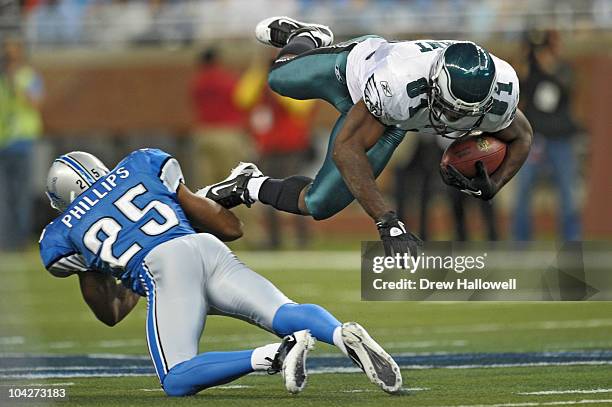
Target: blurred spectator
(123,21)
(57,21)
(168,22)
(280,127)
(420,174)
(20,97)
(220,139)
(459,202)
(546,94)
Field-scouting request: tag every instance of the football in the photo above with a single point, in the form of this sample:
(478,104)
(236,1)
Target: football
(463,154)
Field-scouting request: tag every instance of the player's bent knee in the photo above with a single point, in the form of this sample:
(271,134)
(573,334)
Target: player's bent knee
(175,386)
(317,205)
(282,81)
(175,391)
(275,81)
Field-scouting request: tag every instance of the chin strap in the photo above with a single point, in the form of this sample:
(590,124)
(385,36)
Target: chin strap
(442,128)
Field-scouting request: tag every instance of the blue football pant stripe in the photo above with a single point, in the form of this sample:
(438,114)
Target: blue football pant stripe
(153,338)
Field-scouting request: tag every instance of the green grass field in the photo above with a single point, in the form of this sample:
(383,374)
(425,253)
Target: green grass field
(40,314)
(436,387)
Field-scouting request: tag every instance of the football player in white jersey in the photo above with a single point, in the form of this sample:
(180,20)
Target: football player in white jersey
(382,89)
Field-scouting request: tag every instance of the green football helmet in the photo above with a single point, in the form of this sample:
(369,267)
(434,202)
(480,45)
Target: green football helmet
(462,83)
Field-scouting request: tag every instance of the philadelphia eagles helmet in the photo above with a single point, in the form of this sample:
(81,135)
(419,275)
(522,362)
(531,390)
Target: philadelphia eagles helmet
(462,83)
(70,175)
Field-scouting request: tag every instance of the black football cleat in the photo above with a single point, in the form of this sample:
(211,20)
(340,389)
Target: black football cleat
(233,191)
(277,31)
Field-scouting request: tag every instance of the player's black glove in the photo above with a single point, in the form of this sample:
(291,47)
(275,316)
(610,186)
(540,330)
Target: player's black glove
(395,237)
(480,186)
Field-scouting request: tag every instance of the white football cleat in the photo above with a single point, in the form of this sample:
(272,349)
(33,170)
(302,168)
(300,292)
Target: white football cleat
(277,31)
(377,364)
(294,365)
(233,191)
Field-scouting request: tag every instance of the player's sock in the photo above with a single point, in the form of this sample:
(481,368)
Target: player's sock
(262,357)
(295,317)
(254,186)
(298,45)
(338,340)
(283,194)
(207,370)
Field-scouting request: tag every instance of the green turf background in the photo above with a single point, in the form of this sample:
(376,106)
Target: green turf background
(43,314)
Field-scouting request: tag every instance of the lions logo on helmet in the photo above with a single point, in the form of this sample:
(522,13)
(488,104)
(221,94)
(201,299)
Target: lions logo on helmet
(70,175)
(462,83)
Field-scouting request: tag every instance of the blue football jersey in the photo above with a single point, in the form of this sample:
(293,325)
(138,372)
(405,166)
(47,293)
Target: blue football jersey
(114,224)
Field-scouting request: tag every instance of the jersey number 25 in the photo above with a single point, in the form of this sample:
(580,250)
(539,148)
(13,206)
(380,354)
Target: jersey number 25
(111,228)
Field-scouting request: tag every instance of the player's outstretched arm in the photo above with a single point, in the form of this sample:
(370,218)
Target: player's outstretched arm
(208,216)
(518,137)
(359,133)
(110,301)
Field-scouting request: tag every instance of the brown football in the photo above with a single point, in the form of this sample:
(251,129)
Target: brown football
(464,152)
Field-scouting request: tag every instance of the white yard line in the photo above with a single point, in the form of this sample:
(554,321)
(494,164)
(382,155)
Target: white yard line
(415,330)
(302,260)
(493,327)
(62,345)
(113,356)
(118,343)
(66,368)
(536,364)
(228,387)
(549,392)
(70,375)
(103,371)
(425,344)
(39,384)
(12,340)
(403,389)
(534,403)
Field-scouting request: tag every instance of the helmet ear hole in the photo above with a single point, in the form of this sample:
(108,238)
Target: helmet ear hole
(52,201)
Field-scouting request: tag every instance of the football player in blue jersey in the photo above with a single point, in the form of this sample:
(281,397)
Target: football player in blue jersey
(140,224)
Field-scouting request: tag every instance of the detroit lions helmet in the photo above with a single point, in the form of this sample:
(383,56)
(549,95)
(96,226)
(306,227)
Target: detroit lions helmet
(70,175)
(462,82)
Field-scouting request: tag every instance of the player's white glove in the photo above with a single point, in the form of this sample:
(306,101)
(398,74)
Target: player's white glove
(395,237)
